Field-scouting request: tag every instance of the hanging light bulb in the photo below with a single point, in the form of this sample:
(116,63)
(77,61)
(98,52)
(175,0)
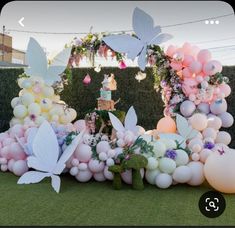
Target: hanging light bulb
(87,79)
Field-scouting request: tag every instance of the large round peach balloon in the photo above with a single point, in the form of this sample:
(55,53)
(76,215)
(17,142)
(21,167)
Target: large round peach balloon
(219,171)
(166,125)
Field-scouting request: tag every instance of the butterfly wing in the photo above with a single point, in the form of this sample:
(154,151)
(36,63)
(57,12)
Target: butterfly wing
(124,44)
(58,66)
(67,154)
(36,59)
(182,125)
(36,164)
(116,123)
(45,147)
(160,39)
(32,177)
(142,61)
(143,25)
(131,120)
(55,182)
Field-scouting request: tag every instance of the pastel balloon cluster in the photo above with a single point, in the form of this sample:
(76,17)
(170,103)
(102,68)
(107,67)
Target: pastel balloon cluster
(38,102)
(196,68)
(171,165)
(83,165)
(12,155)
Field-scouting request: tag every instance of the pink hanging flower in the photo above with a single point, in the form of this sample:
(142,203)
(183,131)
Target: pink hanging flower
(122,64)
(87,80)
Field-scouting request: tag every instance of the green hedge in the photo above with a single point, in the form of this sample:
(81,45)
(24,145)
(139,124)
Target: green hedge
(141,95)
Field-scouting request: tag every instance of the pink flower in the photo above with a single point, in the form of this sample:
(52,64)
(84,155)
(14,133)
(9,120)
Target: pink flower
(122,65)
(87,80)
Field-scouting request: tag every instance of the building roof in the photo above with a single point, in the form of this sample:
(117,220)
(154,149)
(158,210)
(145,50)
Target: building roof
(11,65)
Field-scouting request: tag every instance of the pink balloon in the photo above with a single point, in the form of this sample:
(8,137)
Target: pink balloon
(187,48)
(80,125)
(3,136)
(17,152)
(226,89)
(194,51)
(189,86)
(17,130)
(204,56)
(186,73)
(176,66)
(188,59)
(10,164)
(171,50)
(195,67)
(212,67)
(178,55)
(199,78)
(8,141)
(5,152)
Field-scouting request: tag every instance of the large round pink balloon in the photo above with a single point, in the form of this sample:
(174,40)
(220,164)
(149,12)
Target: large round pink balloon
(204,56)
(219,171)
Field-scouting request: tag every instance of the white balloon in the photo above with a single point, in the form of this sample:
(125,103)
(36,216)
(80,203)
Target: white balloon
(99,176)
(182,158)
(163,180)
(167,165)
(150,175)
(227,119)
(108,175)
(223,137)
(74,171)
(197,173)
(152,163)
(182,174)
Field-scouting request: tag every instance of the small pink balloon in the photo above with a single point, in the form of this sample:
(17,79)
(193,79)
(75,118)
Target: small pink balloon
(195,67)
(17,130)
(199,78)
(176,66)
(204,56)
(80,125)
(189,86)
(226,89)
(178,55)
(10,164)
(17,152)
(186,73)
(8,141)
(171,50)
(3,136)
(188,59)
(5,152)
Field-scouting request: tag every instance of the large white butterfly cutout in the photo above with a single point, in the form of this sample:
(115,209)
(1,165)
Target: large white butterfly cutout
(185,131)
(129,123)
(45,158)
(147,34)
(38,64)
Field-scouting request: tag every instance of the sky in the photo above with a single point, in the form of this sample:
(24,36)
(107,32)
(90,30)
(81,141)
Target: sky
(71,16)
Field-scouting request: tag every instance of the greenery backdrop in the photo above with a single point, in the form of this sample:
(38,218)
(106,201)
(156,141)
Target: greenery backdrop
(146,101)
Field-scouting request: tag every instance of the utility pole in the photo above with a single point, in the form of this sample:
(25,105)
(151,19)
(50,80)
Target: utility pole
(3,39)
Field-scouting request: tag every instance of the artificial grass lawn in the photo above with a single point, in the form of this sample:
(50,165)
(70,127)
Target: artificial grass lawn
(97,203)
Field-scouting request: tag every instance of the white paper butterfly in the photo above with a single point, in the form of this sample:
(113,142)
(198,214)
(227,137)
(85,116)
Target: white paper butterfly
(45,157)
(38,66)
(129,123)
(184,129)
(147,34)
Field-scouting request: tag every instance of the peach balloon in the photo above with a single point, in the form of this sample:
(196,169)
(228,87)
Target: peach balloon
(219,171)
(166,125)
(186,73)
(226,89)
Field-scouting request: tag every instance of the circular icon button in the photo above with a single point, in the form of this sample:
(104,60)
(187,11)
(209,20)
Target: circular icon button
(212,204)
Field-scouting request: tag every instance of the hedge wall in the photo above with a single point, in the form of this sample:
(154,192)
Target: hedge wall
(141,95)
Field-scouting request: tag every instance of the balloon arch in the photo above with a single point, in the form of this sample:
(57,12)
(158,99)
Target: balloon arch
(186,147)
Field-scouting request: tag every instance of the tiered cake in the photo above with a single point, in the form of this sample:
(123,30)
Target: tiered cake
(105,101)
